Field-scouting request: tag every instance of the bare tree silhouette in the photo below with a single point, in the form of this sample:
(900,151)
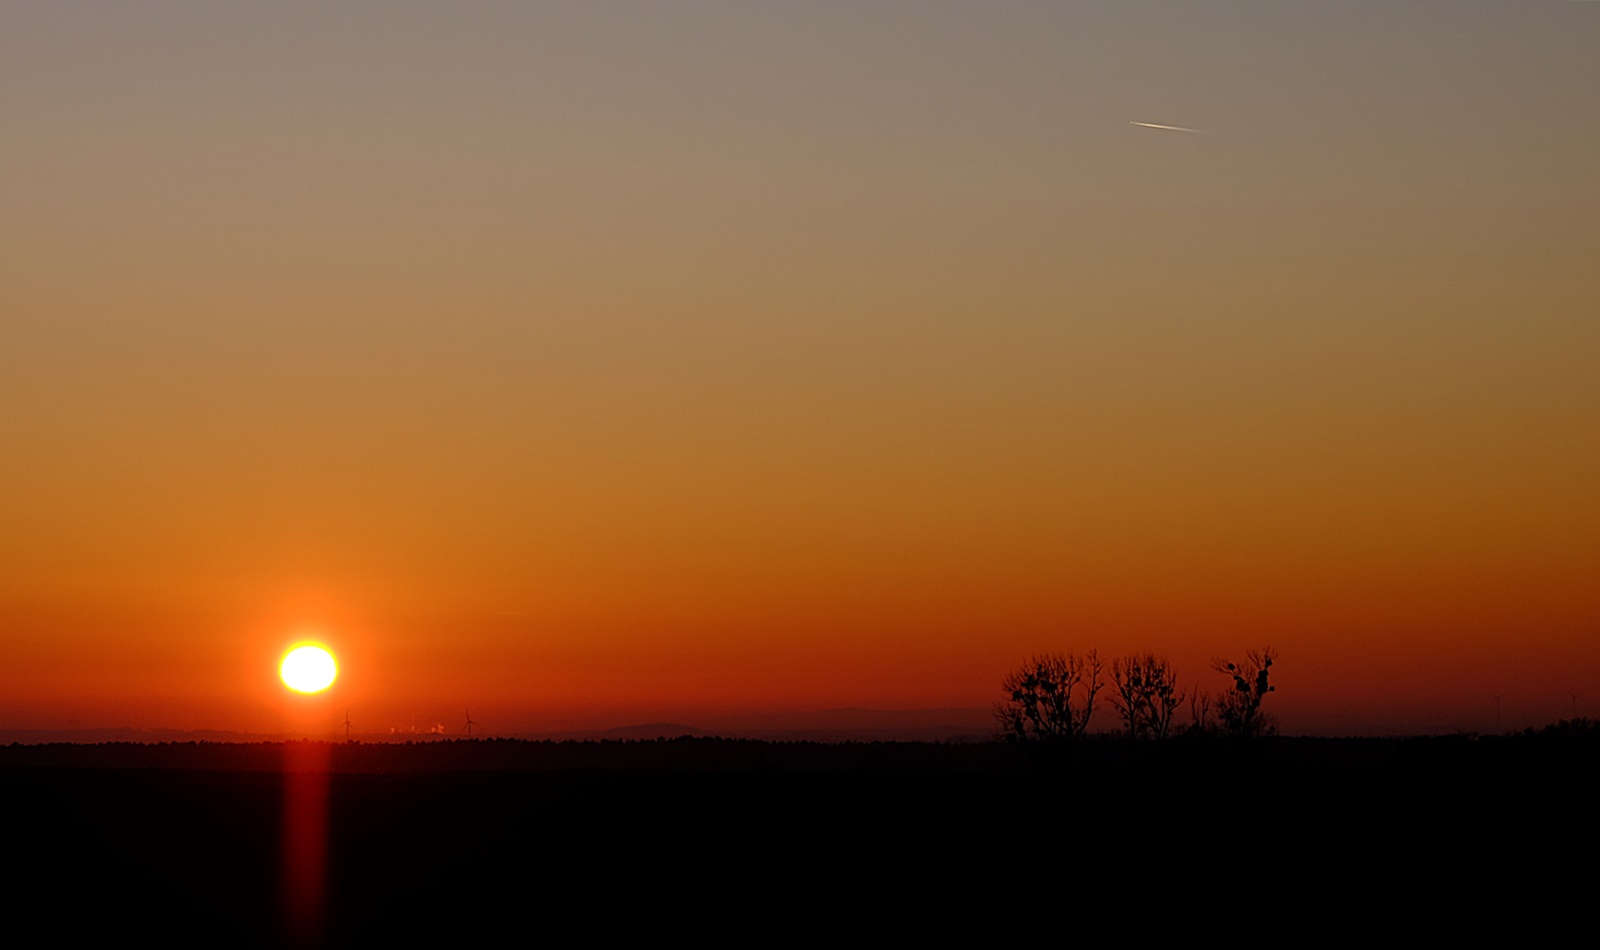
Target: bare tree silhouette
(1146,694)
(1200,712)
(1239,708)
(1050,697)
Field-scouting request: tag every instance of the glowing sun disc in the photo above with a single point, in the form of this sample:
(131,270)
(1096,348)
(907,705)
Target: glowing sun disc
(308,669)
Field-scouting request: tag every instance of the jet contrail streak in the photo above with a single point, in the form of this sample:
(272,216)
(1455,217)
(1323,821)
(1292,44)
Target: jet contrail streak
(1169,128)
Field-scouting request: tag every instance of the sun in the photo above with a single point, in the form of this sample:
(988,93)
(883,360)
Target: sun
(308,668)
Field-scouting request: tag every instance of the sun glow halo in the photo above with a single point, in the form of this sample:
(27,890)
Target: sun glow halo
(308,668)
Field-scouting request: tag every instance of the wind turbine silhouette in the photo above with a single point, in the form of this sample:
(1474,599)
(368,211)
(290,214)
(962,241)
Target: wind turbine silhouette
(470,724)
(347,725)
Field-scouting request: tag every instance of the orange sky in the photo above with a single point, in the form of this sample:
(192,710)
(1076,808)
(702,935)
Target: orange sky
(592,364)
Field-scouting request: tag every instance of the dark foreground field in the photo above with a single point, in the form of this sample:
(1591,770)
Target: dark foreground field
(748,842)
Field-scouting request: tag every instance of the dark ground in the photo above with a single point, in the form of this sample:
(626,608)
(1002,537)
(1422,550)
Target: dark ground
(724,840)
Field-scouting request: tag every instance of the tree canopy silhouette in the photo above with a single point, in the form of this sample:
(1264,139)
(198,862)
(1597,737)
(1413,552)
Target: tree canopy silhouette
(1051,697)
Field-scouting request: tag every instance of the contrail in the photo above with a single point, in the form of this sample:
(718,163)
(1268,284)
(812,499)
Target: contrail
(1169,128)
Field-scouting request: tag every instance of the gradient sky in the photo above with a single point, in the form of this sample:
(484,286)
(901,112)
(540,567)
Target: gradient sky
(590,363)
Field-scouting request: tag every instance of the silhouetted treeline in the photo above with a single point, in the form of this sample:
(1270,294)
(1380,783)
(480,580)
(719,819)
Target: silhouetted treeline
(692,754)
(1053,697)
